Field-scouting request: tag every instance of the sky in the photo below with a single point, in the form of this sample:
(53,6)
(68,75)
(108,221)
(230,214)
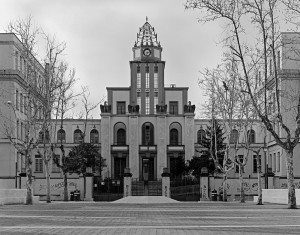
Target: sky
(100,34)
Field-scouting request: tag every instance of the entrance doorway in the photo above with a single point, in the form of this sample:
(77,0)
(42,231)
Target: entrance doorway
(119,166)
(148,169)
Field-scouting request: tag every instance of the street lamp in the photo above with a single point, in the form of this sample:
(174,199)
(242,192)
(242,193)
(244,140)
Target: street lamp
(266,163)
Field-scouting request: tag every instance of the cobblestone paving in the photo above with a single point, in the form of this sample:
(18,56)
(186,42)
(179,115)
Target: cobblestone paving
(176,218)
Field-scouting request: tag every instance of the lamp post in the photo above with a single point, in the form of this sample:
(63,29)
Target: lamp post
(226,153)
(266,162)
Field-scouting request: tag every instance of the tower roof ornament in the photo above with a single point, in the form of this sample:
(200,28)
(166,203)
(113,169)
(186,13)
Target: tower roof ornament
(147,35)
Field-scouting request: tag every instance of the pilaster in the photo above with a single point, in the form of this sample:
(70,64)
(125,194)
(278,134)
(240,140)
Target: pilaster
(189,135)
(105,142)
(134,145)
(161,144)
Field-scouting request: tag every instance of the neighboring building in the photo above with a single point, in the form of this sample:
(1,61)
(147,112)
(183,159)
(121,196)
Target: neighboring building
(20,75)
(145,127)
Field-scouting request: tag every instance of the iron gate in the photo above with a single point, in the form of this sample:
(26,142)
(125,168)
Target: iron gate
(108,189)
(185,189)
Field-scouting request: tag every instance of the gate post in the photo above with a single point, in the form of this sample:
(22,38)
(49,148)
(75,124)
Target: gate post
(127,182)
(89,185)
(166,183)
(204,184)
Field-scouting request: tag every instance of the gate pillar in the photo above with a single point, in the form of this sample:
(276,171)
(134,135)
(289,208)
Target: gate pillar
(127,182)
(204,184)
(166,183)
(89,185)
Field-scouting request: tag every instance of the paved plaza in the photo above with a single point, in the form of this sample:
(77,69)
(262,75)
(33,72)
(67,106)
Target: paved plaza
(149,218)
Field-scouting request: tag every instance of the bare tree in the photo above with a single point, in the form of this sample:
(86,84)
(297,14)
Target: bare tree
(65,102)
(31,100)
(228,103)
(259,54)
(88,107)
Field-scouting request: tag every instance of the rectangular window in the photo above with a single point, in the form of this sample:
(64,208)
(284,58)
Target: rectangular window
(278,162)
(18,127)
(17,61)
(21,102)
(25,131)
(22,129)
(17,99)
(55,168)
(147,77)
(138,100)
(278,59)
(121,107)
(155,81)
(237,167)
(23,168)
(255,166)
(270,164)
(138,80)
(274,102)
(173,107)
(155,101)
(147,104)
(38,163)
(274,162)
(21,64)
(147,80)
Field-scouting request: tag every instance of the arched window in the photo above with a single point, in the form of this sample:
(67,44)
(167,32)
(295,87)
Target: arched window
(121,137)
(41,137)
(173,136)
(251,136)
(61,136)
(147,134)
(120,134)
(200,136)
(94,136)
(234,136)
(77,136)
(175,133)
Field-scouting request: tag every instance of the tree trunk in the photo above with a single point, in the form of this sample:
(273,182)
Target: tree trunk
(66,196)
(290,180)
(225,188)
(48,199)
(242,194)
(29,200)
(259,189)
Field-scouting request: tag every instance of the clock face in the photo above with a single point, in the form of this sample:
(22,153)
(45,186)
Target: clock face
(147,52)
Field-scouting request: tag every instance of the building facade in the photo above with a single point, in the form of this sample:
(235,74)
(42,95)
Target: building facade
(145,127)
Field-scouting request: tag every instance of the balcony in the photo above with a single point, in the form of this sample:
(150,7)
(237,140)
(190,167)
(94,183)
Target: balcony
(175,148)
(147,148)
(120,148)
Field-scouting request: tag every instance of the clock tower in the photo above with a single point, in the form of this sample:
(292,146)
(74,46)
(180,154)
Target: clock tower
(147,71)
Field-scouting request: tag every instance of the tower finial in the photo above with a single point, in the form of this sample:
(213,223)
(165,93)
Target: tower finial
(146,18)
